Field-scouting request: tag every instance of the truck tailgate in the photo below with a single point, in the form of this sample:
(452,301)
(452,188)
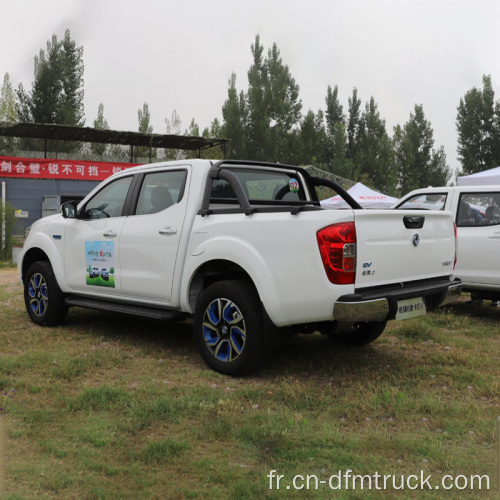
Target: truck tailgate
(424,243)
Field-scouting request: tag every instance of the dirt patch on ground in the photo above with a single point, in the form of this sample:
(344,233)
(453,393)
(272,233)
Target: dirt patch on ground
(8,276)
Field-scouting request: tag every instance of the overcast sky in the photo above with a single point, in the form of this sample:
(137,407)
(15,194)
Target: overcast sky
(179,54)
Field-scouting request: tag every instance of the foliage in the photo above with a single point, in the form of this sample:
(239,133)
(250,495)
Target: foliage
(478,127)
(312,140)
(374,155)
(234,114)
(173,127)
(271,111)
(100,123)
(354,127)
(57,90)
(215,131)
(417,162)
(8,113)
(145,127)
(7,226)
(265,122)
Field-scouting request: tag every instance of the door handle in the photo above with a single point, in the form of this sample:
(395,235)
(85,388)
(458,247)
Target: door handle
(168,230)
(110,234)
(494,235)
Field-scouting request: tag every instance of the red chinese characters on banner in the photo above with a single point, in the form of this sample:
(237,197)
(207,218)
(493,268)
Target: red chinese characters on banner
(39,168)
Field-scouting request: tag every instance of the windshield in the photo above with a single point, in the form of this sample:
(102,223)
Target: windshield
(425,201)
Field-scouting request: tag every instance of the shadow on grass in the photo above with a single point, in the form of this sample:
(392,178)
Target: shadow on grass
(303,355)
(482,310)
(134,330)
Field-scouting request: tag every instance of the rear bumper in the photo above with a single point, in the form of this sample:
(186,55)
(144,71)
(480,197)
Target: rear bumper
(381,304)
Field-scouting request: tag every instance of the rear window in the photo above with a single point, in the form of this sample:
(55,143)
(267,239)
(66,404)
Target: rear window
(261,185)
(426,201)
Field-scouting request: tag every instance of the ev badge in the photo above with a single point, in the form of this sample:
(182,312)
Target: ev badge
(415,240)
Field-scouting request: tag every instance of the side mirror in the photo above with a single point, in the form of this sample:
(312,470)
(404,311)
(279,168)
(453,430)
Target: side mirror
(69,210)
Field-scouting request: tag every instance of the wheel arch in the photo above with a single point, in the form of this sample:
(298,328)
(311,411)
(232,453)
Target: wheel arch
(30,257)
(212,272)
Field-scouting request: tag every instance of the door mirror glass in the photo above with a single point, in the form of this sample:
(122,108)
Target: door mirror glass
(68,210)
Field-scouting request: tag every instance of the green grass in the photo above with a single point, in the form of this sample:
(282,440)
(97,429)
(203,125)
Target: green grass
(120,408)
(99,281)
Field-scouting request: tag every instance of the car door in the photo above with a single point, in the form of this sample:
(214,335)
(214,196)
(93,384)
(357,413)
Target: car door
(478,231)
(92,240)
(151,235)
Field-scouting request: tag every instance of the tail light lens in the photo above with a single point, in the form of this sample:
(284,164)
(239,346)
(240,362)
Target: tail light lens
(456,245)
(337,246)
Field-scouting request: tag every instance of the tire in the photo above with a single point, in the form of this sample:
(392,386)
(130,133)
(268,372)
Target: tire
(357,334)
(229,328)
(42,296)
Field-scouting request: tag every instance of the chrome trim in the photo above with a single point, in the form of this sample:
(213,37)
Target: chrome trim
(454,292)
(370,310)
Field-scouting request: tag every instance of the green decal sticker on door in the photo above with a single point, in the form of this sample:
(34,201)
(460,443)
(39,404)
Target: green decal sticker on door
(99,259)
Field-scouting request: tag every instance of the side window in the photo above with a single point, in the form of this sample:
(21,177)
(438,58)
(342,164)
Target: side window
(160,190)
(478,209)
(109,201)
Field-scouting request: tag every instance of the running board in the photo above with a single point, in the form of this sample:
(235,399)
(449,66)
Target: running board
(120,307)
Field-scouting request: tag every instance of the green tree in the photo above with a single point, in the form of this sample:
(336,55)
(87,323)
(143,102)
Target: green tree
(193,130)
(144,118)
(341,164)
(57,91)
(257,129)
(71,107)
(478,129)
(496,133)
(334,110)
(274,108)
(8,113)
(354,126)
(283,105)
(7,227)
(234,114)
(215,131)
(334,116)
(100,123)
(173,127)
(375,156)
(418,164)
(313,140)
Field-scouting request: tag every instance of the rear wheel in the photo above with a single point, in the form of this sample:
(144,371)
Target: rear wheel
(229,327)
(357,333)
(42,295)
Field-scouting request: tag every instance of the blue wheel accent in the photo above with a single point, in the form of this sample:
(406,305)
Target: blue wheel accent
(38,295)
(224,330)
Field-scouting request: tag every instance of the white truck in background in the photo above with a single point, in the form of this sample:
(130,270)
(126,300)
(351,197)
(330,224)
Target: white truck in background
(243,247)
(476,210)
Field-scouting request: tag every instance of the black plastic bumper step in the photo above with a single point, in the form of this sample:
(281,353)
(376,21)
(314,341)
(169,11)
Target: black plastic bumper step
(120,307)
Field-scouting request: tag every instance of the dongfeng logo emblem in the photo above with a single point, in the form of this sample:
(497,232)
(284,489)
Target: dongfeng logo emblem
(415,240)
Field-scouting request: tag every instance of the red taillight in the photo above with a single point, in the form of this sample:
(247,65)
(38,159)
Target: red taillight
(337,246)
(456,245)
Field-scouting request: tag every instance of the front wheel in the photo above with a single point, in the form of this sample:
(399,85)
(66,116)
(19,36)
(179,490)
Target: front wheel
(357,333)
(42,295)
(229,327)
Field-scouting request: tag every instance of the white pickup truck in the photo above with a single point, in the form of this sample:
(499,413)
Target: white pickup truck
(243,247)
(476,210)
